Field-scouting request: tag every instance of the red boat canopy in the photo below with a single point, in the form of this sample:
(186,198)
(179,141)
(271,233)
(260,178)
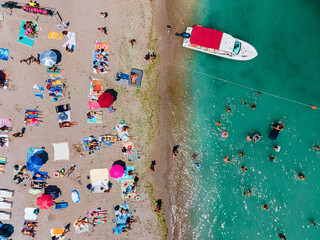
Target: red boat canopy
(206,37)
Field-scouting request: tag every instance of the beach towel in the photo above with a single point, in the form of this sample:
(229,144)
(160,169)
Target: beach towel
(86,143)
(5,122)
(98,216)
(94,116)
(93,105)
(34,191)
(96,88)
(23,37)
(128,190)
(33,115)
(126,176)
(75,196)
(99,180)
(121,212)
(108,139)
(29,214)
(71,43)
(100,49)
(4,54)
(39,95)
(26,41)
(5,139)
(64,116)
(55,35)
(84,227)
(61,151)
(57,70)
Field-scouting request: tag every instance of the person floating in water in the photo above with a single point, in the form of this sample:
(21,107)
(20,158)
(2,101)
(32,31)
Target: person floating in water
(243,102)
(317,147)
(313,223)
(271,158)
(257,137)
(241,154)
(228,110)
(265,206)
(253,106)
(247,194)
(244,168)
(218,123)
(301,176)
(282,236)
(226,159)
(249,138)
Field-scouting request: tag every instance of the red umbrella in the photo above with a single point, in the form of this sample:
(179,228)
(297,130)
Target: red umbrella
(44,201)
(105,100)
(116,171)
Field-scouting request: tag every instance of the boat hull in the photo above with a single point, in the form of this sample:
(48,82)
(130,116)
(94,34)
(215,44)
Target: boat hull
(246,53)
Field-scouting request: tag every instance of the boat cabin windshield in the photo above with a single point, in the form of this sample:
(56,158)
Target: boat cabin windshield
(237,47)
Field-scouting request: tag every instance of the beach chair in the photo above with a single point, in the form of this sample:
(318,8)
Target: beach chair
(61,205)
(5,215)
(5,205)
(6,193)
(63,108)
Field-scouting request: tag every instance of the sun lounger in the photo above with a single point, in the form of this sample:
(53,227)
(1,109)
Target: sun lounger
(55,35)
(29,214)
(5,122)
(5,205)
(5,215)
(61,205)
(138,79)
(6,193)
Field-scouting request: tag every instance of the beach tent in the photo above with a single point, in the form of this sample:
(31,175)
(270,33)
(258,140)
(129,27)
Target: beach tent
(44,201)
(105,100)
(34,163)
(48,58)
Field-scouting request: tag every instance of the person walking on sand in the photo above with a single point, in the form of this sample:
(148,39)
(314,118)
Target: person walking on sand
(132,42)
(103,30)
(169,28)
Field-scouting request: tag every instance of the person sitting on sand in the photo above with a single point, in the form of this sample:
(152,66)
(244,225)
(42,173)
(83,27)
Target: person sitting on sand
(218,123)
(132,42)
(301,176)
(175,151)
(31,224)
(226,159)
(3,141)
(265,207)
(104,14)
(247,193)
(153,163)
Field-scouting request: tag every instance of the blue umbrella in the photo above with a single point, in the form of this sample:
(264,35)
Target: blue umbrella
(34,163)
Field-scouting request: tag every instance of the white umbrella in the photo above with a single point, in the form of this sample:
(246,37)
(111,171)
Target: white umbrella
(48,58)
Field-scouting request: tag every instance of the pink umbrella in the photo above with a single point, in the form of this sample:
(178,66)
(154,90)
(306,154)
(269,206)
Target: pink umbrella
(116,171)
(44,201)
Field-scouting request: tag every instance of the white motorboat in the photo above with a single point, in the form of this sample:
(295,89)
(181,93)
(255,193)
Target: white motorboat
(218,43)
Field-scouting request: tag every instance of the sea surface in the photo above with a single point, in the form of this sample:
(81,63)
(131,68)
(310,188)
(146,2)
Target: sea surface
(286,35)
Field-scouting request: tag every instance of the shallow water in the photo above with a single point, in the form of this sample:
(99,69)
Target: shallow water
(285,34)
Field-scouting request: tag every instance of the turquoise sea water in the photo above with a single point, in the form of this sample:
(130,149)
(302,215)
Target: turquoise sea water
(286,35)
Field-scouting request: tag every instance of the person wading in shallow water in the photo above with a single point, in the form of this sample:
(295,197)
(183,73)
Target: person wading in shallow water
(175,151)
(153,163)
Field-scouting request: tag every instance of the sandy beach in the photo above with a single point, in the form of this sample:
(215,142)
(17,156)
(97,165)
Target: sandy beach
(138,107)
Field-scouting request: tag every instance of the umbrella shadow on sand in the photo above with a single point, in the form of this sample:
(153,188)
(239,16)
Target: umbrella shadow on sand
(119,162)
(58,53)
(113,93)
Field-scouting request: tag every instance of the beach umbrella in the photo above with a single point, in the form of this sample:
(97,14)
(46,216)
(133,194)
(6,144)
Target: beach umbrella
(44,201)
(48,58)
(6,230)
(116,171)
(105,100)
(34,163)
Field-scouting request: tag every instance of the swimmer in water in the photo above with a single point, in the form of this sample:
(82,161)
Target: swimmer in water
(313,223)
(258,93)
(271,158)
(226,159)
(249,138)
(277,148)
(241,154)
(301,176)
(218,123)
(317,147)
(243,102)
(247,193)
(265,207)
(198,165)
(282,236)
(228,110)
(244,168)
(253,106)
(257,137)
